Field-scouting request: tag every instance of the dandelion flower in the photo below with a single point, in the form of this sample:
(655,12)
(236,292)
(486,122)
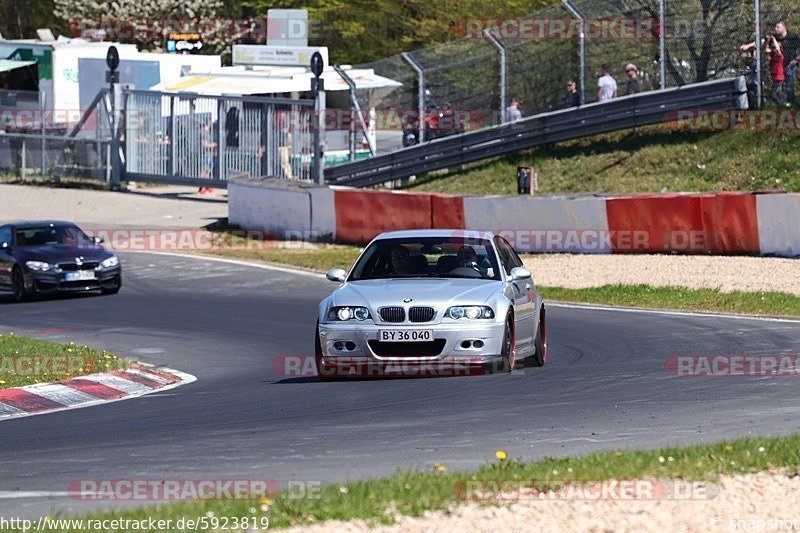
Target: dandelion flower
(761,449)
(661,459)
(343,489)
(501,455)
(728,448)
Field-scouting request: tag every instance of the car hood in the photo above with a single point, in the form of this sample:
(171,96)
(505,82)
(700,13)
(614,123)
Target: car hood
(61,253)
(428,291)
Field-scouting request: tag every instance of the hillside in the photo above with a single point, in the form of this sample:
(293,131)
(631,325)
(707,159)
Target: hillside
(651,159)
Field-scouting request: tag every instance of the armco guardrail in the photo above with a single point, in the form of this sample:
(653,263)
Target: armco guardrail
(601,117)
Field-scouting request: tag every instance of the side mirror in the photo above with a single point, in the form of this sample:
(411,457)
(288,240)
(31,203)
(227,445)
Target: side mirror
(98,240)
(336,274)
(520,273)
(5,246)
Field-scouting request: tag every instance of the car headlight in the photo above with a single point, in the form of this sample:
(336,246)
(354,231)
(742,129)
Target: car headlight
(110,262)
(472,312)
(343,314)
(38,266)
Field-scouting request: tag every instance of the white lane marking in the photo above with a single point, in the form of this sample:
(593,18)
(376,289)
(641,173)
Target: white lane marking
(60,393)
(16,494)
(118,383)
(184,379)
(591,307)
(6,409)
(667,312)
(276,268)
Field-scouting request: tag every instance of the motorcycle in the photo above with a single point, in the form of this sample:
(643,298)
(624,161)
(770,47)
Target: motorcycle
(438,122)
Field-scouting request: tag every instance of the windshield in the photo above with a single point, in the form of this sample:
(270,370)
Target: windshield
(427,257)
(51,234)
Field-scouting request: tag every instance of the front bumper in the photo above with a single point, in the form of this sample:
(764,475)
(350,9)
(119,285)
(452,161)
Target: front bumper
(357,343)
(51,282)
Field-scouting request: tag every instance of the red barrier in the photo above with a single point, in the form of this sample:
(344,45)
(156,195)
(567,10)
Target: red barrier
(730,221)
(691,224)
(447,212)
(665,223)
(361,215)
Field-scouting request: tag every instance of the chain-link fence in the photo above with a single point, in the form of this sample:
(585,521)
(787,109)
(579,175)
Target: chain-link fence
(36,139)
(698,39)
(174,137)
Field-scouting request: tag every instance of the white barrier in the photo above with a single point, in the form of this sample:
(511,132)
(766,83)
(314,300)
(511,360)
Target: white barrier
(539,224)
(281,208)
(778,223)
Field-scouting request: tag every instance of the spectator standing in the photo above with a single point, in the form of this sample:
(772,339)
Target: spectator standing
(513,113)
(775,54)
(790,46)
(573,98)
(606,85)
(633,86)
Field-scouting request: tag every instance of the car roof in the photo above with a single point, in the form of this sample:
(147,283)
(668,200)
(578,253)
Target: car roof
(35,223)
(444,233)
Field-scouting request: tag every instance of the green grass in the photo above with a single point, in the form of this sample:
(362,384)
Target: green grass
(311,256)
(649,159)
(710,300)
(413,493)
(28,361)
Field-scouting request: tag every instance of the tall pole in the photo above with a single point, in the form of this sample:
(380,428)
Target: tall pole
(662,40)
(421,103)
(581,45)
(758,53)
(503,73)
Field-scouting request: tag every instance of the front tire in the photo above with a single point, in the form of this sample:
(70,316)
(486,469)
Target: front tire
(507,357)
(18,286)
(540,343)
(114,289)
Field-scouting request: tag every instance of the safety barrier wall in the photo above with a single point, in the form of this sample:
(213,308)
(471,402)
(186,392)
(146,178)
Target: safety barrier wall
(721,223)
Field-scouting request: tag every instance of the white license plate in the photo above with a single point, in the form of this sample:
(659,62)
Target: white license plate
(405,335)
(81,275)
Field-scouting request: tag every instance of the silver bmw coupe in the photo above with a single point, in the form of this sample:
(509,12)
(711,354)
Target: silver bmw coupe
(443,299)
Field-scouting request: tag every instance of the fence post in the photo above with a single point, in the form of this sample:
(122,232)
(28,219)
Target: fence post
(581,45)
(171,134)
(662,41)
(758,53)
(421,104)
(501,47)
(42,100)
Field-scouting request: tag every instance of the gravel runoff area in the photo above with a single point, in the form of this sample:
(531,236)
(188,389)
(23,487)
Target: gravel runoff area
(751,274)
(756,502)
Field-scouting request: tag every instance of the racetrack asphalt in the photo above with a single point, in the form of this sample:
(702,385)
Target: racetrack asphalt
(604,387)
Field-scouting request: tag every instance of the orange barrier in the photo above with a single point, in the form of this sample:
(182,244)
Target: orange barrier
(361,215)
(724,223)
(730,221)
(447,212)
(657,224)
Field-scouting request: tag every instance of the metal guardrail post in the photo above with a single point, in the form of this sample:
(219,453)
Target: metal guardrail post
(662,41)
(421,104)
(501,47)
(581,44)
(758,53)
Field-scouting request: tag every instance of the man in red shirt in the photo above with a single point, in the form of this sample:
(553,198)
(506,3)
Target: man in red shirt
(775,54)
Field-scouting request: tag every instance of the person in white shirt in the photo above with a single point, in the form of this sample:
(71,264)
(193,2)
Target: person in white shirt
(606,85)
